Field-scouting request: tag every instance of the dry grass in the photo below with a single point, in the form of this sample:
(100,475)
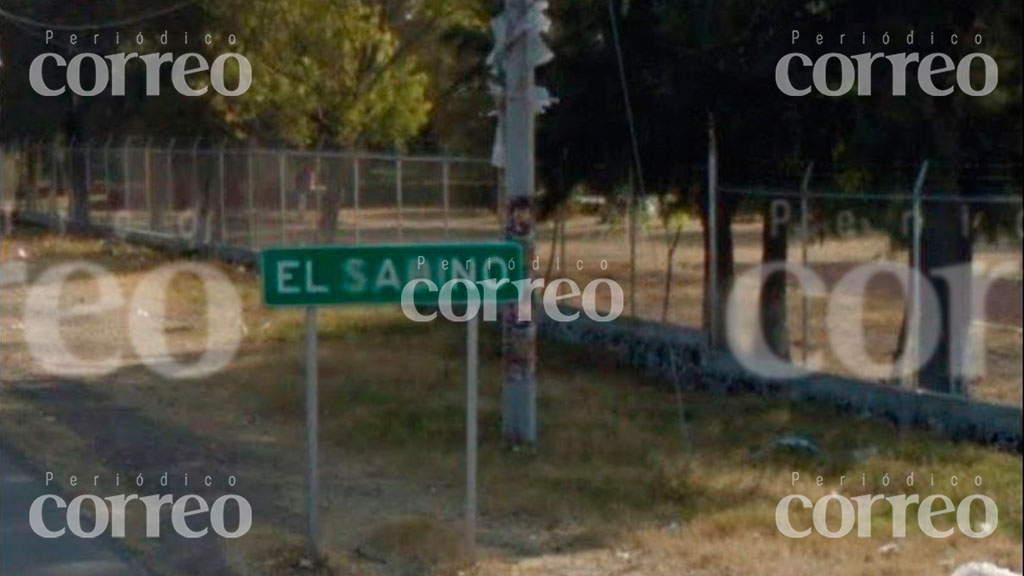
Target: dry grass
(590,241)
(615,486)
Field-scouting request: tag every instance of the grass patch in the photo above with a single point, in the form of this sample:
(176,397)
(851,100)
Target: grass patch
(614,466)
(611,445)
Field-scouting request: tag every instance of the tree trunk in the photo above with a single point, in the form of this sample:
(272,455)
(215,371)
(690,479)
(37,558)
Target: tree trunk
(204,172)
(943,245)
(565,240)
(78,185)
(772,306)
(79,191)
(336,174)
(12,170)
(726,270)
(946,244)
(153,197)
(31,184)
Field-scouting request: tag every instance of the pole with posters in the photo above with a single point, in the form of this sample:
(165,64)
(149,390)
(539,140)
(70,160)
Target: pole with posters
(519,48)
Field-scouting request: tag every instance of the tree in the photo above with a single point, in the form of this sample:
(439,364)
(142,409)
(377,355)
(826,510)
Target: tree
(328,73)
(963,137)
(681,77)
(449,39)
(688,62)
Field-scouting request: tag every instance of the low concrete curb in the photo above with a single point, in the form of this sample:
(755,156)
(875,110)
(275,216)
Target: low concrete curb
(679,354)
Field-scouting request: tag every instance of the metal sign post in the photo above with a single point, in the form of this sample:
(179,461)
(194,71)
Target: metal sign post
(341,275)
(472,421)
(312,426)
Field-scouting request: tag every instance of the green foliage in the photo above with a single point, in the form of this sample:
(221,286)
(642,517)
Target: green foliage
(447,13)
(324,72)
(686,60)
(449,38)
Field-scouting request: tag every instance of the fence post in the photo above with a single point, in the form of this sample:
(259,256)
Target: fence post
(321,178)
(445,192)
(54,178)
(147,182)
(355,196)
(199,217)
(631,232)
(8,185)
(30,176)
(250,200)
(66,215)
(500,203)
(5,210)
(281,194)
(805,303)
(106,174)
(86,202)
(398,195)
(126,194)
(914,330)
(12,203)
(712,282)
(167,200)
(222,237)
(40,153)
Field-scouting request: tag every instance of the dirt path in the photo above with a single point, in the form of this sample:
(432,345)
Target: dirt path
(23,553)
(129,444)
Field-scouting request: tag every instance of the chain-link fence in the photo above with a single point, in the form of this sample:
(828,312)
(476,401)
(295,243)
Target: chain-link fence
(226,197)
(885,264)
(831,221)
(833,224)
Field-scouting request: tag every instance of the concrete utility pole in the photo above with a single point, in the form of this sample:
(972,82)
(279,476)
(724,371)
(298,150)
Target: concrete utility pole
(519,48)
(519,395)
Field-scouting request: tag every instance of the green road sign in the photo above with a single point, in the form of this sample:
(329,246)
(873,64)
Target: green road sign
(338,275)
